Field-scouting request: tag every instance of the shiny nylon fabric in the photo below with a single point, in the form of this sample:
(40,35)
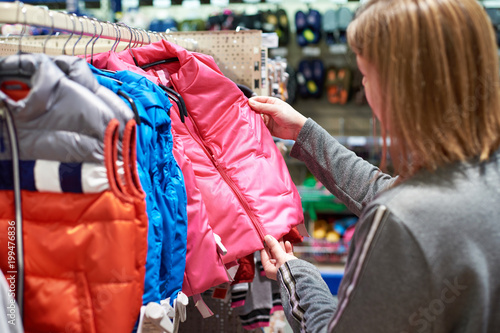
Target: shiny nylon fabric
(163,183)
(84,253)
(204,267)
(191,253)
(221,124)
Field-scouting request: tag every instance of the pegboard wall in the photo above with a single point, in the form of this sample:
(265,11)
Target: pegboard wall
(239,54)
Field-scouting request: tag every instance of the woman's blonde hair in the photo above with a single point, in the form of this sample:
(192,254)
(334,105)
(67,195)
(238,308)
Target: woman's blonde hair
(437,62)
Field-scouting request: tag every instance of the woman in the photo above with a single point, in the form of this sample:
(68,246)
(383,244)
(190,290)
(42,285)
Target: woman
(424,257)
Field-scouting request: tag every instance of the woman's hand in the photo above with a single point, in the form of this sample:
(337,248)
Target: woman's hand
(281,119)
(274,255)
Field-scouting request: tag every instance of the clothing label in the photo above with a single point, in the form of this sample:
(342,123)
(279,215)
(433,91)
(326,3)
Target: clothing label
(149,327)
(263,68)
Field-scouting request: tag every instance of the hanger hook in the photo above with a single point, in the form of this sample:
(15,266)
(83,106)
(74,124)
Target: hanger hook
(51,28)
(72,32)
(137,33)
(130,31)
(81,34)
(142,36)
(23,30)
(93,36)
(136,38)
(93,43)
(116,35)
(119,37)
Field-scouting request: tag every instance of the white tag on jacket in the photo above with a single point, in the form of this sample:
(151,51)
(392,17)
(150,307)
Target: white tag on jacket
(202,307)
(154,319)
(220,247)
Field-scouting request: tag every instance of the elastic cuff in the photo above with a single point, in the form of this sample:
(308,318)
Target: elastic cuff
(303,134)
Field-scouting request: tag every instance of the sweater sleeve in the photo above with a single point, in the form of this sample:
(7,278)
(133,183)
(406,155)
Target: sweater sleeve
(351,179)
(385,287)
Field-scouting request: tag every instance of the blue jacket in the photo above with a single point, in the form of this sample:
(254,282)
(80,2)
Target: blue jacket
(162,181)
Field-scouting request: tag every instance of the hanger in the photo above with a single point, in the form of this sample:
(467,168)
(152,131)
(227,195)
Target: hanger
(131,102)
(79,38)
(19,71)
(23,30)
(116,35)
(51,28)
(165,61)
(72,18)
(177,98)
(93,43)
(93,36)
(149,36)
(130,42)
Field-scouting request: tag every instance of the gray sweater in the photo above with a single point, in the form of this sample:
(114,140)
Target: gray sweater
(425,254)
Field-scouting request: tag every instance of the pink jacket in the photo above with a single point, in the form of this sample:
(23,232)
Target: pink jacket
(239,171)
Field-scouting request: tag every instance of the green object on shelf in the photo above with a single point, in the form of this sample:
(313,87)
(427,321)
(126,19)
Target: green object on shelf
(315,200)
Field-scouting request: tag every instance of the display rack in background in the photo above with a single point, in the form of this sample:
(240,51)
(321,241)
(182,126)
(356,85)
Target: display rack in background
(239,55)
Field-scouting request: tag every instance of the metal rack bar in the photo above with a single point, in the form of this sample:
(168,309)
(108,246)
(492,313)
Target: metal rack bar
(19,13)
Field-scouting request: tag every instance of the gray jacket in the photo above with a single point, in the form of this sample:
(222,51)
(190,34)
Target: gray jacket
(424,257)
(60,125)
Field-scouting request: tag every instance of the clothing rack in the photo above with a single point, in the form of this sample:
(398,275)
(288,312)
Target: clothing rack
(239,54)
(19,13)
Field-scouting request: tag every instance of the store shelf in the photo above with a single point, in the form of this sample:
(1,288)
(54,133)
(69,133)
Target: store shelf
(314,201)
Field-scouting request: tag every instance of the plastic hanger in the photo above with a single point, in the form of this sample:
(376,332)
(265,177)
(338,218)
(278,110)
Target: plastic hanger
(165,61)
(132,104)
(177,98)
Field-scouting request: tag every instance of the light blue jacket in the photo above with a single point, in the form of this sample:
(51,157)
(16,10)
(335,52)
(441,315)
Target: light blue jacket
(162,181)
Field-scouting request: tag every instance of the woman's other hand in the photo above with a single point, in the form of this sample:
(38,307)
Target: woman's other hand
(281,119)
(274,255)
